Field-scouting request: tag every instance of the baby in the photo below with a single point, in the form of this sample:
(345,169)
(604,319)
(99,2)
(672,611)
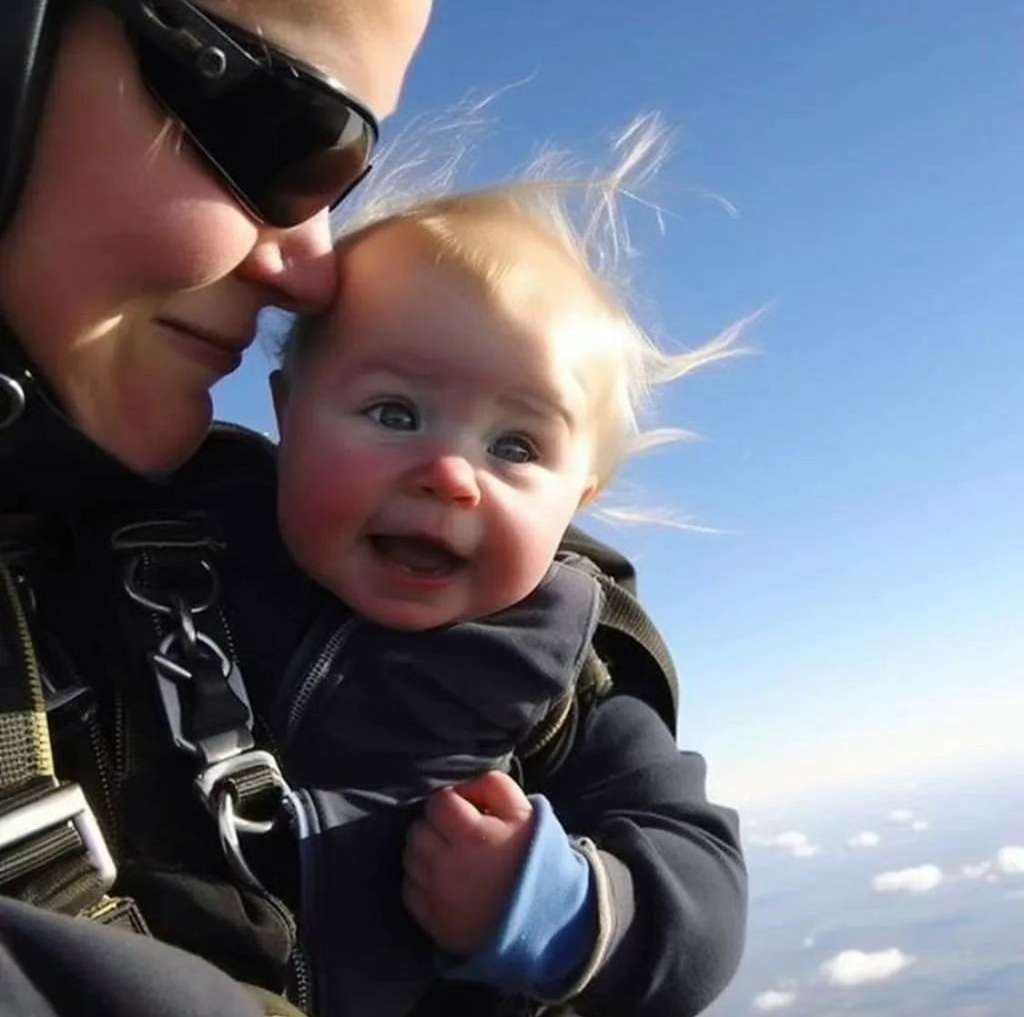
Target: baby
(475,385)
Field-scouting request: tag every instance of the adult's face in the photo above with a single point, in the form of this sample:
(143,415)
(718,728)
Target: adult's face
(129,273)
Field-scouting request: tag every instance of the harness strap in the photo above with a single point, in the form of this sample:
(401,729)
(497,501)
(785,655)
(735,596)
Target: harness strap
(627,652)
(626,619)
(52,852)
(25,754)
(170,573)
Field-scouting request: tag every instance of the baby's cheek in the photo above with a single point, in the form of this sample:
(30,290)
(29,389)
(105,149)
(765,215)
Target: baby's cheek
(518,566)
(301,501)
(326,493)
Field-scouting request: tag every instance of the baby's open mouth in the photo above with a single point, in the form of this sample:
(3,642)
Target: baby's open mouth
(420,555)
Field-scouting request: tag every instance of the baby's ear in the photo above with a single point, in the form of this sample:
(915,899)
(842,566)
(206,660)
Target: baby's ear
(279,390)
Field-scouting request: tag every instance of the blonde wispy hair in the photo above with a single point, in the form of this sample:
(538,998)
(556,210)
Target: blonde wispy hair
(582,217)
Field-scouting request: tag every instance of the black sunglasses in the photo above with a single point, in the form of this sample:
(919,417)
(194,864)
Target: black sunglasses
(286,139)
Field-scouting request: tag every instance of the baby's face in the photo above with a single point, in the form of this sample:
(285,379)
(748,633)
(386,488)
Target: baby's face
(436,443)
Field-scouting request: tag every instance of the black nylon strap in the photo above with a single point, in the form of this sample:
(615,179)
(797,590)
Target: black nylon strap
(628,653)
(624,616)
(626,638)
(257,792)
(68,885)
(35,852)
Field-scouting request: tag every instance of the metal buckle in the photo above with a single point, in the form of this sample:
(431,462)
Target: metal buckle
(221,803)
(64,804)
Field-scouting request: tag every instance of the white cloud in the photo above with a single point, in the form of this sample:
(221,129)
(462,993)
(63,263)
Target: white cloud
(793,841)
(1010,860)
(809,942)
(917,880)
(854,967)
(773,999)
(975,871)
(864,839)
(906,817)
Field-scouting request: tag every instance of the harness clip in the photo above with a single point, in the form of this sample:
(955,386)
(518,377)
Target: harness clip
(64,803)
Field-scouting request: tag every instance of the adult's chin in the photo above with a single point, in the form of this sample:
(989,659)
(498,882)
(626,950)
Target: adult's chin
(156,439)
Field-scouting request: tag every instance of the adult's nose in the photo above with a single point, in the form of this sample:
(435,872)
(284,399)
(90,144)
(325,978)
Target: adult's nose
(295,264)
(451,478)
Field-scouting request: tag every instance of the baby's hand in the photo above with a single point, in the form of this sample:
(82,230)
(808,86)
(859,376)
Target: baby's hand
(463,857)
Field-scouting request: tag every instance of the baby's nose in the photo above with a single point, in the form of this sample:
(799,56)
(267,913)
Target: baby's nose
(451,478)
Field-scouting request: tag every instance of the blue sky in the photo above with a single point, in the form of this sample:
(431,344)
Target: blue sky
(860,614)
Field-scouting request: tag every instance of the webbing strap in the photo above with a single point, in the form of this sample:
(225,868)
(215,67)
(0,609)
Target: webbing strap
(623,615)
(629,642)
(257,791)
(25,754)
(51,851)
(32,853)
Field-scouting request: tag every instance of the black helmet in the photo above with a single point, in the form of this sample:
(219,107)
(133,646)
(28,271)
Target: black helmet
(28,36)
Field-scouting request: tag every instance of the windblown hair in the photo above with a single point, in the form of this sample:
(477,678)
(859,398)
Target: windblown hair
(580,216)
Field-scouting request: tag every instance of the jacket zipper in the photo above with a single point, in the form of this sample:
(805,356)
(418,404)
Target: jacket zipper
(316,674)
(306,828)
(301,977)
(297,961)
(101,756)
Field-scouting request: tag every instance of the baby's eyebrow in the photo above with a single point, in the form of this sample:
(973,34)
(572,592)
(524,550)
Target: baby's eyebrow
(399,368)
(539,404)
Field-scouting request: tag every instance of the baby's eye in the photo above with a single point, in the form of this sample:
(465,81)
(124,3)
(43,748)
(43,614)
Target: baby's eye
(514,448)
(393,415)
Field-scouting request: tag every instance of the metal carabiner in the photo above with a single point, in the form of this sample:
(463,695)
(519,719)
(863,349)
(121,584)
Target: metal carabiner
(177,670)
(132,589)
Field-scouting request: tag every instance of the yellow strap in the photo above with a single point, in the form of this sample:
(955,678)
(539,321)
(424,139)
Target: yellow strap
(25,752)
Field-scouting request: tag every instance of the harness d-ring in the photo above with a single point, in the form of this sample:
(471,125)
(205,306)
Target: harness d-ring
(214,789)
(175,669)
(227,831)
(133,591)
(15,398)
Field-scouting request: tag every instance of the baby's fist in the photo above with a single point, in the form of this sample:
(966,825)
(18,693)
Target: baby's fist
(462,859)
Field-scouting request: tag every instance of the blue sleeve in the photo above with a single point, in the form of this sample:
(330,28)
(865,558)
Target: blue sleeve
(549,929)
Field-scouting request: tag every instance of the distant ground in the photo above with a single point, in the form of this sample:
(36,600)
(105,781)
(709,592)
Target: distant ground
(925,880)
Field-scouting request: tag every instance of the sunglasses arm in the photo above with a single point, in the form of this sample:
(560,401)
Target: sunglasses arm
(177,27)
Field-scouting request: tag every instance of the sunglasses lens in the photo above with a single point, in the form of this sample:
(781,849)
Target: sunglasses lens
(322,152)
(286,147)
